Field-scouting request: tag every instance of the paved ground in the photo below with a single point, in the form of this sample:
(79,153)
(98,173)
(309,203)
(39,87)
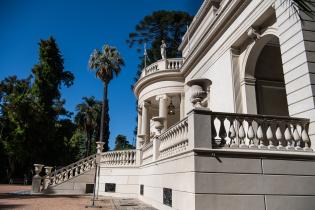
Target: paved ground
(8,200)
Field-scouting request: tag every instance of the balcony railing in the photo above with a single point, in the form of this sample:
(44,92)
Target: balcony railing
(121,158)
(206,131)
(147,153)
(169,64)
(259,132)
(174,140)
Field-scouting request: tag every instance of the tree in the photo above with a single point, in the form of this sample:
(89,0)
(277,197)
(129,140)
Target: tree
(17,115)
(31,130)
(169,26)
(88,120)
(121,143)
(49,76)
(106,64)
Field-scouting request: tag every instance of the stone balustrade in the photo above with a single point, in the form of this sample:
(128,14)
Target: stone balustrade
(121,158)
(72,170)
(259,132)
(169,64)
(147,153)
(174,140)
(201,131)
(174,63)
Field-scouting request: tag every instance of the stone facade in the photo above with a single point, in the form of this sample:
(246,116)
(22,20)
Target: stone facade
(242,132)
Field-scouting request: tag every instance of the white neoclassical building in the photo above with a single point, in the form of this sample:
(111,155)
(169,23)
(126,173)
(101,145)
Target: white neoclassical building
(231,125)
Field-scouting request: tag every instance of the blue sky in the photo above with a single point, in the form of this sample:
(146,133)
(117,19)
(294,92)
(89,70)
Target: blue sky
(79,26)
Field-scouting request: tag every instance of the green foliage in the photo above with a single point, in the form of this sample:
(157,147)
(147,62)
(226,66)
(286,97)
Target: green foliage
(88,120)
(32,130)
(106,64)
(169,26)
(121,143)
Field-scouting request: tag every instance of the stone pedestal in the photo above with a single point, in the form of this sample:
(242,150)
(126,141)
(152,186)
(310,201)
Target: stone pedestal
(37,179)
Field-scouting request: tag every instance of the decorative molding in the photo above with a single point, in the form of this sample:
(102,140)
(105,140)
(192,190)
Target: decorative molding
(253,33)
(162,96)
(248,81)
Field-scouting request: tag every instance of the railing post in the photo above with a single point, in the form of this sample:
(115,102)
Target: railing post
(156,148)
(199,128)
(138,157)
(37,179)
(47,177)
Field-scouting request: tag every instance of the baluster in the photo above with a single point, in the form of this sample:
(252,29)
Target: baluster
(269,136)
(125,157)
(297,139)
(279,138)
(242,135)
(64,175)
(306,140)
(222,132)
(214,133)
(116,158)
(260,136)
(70,173)
(251,135)
(121,158)
(132,157)
(220,138)
(128,157)
(232,135)
(288,137)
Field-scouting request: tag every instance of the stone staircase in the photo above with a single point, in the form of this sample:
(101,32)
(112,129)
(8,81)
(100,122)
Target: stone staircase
(76,178)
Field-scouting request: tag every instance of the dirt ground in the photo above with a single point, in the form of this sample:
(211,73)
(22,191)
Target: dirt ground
(51,202)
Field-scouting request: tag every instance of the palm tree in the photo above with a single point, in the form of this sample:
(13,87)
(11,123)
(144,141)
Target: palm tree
(106,64)
(87,119)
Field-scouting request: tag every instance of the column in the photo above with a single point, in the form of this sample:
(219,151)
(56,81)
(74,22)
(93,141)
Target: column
(182,106)
(139,127)
(163,108)
(249,95)
(145,128)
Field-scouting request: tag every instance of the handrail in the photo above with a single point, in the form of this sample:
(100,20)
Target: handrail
(119,158)
(267,132)
(72,164)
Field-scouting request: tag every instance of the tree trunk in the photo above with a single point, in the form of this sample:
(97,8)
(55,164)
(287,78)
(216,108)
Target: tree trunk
(104,131)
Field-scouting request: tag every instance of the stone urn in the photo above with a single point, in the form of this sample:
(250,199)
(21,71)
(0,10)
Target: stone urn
(48,170)
(99,147)
(199,91)
(158,123)
(142,138)
(38,169)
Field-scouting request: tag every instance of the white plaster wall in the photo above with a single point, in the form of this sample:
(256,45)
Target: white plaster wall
(126,180)
(221,90)
(176,173)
